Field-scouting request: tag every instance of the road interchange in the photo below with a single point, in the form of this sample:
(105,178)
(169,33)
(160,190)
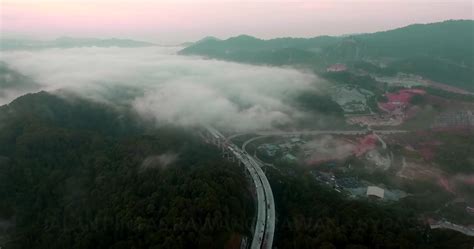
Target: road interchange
(265,222)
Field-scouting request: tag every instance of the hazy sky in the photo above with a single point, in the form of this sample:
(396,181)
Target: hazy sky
(188,20)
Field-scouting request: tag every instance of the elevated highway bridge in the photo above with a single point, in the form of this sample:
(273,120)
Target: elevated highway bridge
(265,217)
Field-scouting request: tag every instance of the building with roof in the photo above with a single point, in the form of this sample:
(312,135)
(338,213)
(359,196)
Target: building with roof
(375,192)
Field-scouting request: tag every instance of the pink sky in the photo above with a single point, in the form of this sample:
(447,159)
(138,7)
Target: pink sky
(188,20)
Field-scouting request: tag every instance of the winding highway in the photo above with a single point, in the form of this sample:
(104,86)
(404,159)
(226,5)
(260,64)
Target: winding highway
(265,221)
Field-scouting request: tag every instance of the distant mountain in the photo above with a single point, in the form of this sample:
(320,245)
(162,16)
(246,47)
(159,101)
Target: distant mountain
(246,42)
(69,42)
(207,39)
(441,51)
(249,49)
(89,42)
(450,41)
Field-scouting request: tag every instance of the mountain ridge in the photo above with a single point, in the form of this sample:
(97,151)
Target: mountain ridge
(71,42)
(423,49)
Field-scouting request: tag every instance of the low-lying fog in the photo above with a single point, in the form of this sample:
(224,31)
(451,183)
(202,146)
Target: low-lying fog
(167,87)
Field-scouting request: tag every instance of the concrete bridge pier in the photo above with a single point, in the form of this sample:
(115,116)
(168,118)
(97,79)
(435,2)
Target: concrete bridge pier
(223,149)
(226,154)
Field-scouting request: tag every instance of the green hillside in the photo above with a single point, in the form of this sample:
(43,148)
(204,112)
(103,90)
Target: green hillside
(76,174)
(450,40)
(441,52)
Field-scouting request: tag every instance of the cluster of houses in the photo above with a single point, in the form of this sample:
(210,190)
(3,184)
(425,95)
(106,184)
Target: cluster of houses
(357,188)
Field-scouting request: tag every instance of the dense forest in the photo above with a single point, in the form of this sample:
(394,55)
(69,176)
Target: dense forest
(79,174)
(76,174)
(318,104)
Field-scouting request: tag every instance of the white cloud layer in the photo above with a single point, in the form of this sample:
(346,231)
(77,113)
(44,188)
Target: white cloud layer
(170,88)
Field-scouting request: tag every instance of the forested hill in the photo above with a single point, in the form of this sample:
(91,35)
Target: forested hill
(76,174)
(450,40)
(249,49)
(439,51)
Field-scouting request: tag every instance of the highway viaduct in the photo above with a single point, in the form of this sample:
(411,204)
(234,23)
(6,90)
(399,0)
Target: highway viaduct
(265,221)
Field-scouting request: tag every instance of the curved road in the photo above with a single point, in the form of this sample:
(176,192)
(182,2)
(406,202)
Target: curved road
(317,132)
(265,222)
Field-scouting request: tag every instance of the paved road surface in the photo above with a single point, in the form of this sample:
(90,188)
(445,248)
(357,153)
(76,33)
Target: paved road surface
(315,132)
(319,132)
(265,222)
